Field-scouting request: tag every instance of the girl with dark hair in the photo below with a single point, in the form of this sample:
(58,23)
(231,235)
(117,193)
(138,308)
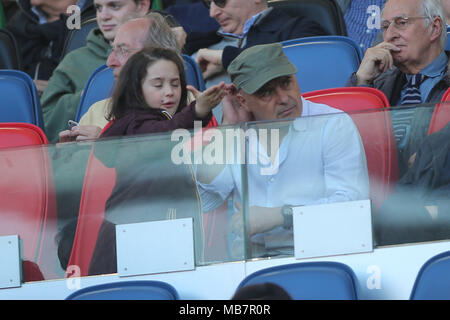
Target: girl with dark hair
(151,96)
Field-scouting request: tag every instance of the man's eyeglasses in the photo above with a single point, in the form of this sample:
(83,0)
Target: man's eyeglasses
(400,23)
(123,52)
(219,3)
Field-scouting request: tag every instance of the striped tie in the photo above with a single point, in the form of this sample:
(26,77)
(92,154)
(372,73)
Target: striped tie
(402,118)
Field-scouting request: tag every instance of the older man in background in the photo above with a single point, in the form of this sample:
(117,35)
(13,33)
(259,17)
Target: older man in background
(410,66)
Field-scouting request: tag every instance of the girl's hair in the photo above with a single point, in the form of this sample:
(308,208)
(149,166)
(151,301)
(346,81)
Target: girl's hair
(128,93)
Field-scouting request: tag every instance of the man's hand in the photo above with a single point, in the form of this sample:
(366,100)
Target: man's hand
(260,219)
(233,112)
(80,133)
(210,62)
(376,60)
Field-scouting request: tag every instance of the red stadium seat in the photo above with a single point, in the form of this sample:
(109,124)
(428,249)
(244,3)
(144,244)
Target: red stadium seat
(441,114)
(98,184)
(102,179)
(27,201)
(376,131)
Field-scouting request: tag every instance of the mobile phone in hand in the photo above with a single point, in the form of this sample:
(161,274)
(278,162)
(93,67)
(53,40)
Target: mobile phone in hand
(72,124)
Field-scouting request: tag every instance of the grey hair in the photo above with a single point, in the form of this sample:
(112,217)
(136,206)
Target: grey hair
(160,33)
(433,9)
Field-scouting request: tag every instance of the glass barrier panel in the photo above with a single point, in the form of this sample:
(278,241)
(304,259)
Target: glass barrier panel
(65,199)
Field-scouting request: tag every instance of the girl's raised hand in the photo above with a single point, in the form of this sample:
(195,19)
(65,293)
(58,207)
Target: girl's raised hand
(208,99)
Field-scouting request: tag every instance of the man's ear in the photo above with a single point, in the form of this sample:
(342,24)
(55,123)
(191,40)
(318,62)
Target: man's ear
(243,102)
(436,28)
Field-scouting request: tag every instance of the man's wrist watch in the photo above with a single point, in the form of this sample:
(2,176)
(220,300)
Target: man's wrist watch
(287,213)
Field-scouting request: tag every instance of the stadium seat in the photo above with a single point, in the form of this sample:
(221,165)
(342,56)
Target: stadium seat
(323,62)
(9,52)
(19,99)
(433,279)
(375,128)
(27,201)
(325,12)
(441,114)
(98,87)
(194,76)
(102,179)
(100,84)
(309,280)
(77,37)
(127,290)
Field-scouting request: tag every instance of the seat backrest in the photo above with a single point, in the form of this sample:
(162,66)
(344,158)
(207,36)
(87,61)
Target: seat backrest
(77,37)
(375,129)
(9,52)
(325,12)
(27,201)
(98,184)
(323,62)
(194,76)
(101,82)
(19,99)
(310,280)
(127,290)
(433,279)
(98,87)
(441,114)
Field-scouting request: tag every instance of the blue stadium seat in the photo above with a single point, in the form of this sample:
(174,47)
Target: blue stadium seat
(323,62)
(77,38)
(127,290)
(98,87)
(100,84)
(310,280)
(19,99)
(194,76)
(433,279)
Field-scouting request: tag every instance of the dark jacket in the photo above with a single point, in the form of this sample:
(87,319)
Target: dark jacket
(41,45)
(149,186)
(391,83)
(403,217)
(276,26)
(153,121)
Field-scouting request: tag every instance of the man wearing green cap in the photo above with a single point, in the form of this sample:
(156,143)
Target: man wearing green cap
(318,159)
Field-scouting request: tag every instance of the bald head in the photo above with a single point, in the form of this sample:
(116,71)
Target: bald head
(130,38)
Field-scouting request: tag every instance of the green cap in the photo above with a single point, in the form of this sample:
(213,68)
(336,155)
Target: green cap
(257,65)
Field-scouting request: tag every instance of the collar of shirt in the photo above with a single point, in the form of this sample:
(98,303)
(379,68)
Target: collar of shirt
(435,68)
(248,24)
(434,73)
(312,109)
(43,18)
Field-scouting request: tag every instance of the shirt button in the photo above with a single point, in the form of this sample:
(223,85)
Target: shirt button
(272,179)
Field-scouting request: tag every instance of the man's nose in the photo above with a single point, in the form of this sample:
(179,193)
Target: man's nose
(213,10)
(281,95)
(112,60)
(390,33)
(104,14)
